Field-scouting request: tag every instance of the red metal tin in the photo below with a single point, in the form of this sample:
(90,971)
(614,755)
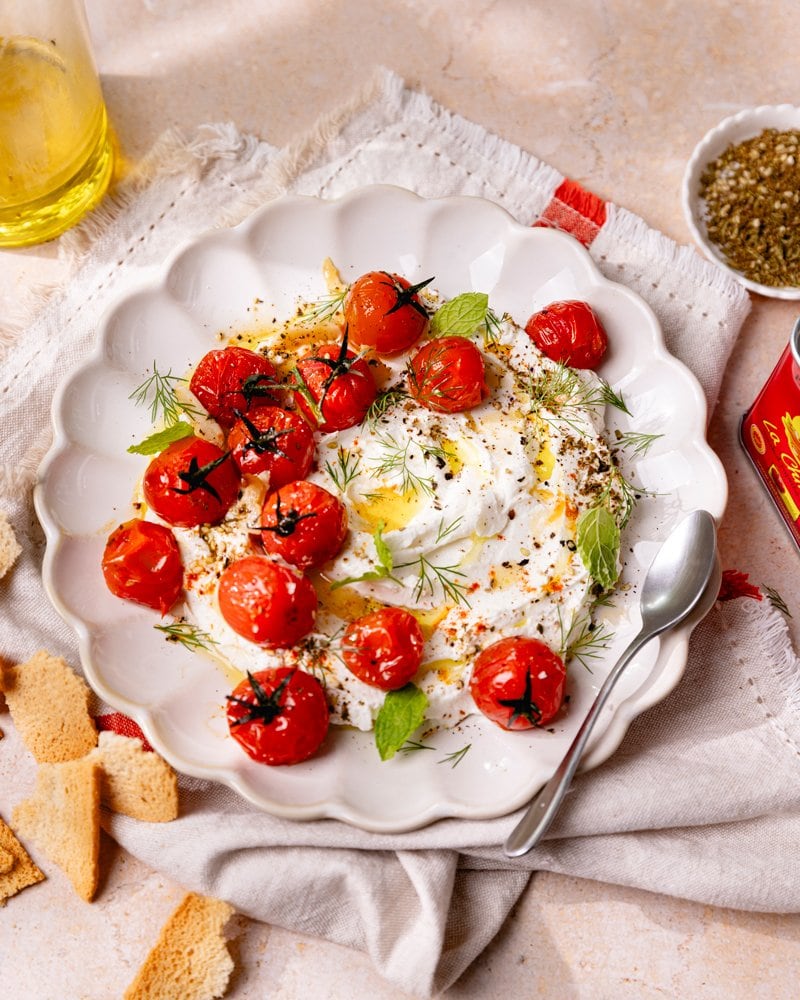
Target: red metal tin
(770,434)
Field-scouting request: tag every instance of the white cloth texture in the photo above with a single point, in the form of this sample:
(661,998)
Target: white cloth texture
(702,799)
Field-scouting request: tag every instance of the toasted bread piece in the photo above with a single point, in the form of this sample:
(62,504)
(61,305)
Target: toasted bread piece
(134,781)
(190,960)
(17,871)
(63,818)
(49,704)
(9,546)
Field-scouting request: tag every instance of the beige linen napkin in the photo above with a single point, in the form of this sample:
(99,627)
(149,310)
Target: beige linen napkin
(701,800)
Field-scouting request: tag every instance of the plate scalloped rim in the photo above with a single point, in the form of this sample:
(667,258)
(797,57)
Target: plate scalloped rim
(523,765)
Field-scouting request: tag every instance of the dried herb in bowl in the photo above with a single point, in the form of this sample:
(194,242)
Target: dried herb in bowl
(751,196)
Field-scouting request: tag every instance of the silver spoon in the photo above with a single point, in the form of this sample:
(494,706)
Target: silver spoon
(682,579)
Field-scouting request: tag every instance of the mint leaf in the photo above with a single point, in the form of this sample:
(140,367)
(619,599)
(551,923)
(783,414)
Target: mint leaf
(385,558)
(598,541)
(461,316)
(401,714)
(157,442)
(383,570)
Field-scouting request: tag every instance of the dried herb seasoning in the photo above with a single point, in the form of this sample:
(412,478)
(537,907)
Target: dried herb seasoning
(751,196)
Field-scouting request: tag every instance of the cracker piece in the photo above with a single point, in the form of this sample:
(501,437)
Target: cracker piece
(17,871)
(9,546)
(49,704)
(134,781)
(190,960)
(63,818)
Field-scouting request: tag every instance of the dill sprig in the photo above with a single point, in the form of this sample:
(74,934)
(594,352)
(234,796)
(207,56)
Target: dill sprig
(345,470)
(491,327)
(158,392)
(187,634)
(455,758)
(411,746)
(637,442)
(324,308)
(776,600)
(382,403)
(585,640)
(628,495)
(431,577)
(445,530)
(561,391)
(395,459)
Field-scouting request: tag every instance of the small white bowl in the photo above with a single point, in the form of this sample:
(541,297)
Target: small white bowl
(744,125)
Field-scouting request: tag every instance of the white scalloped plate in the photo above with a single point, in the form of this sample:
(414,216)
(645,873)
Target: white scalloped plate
(87,481)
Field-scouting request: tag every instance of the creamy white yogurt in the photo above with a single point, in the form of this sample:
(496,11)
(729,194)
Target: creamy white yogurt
(478,510)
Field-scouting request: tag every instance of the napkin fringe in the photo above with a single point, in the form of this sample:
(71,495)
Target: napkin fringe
(773,631)
(172,154)
(473,137)
(623,225)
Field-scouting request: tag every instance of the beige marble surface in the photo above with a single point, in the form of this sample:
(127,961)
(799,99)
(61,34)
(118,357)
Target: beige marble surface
(614,94)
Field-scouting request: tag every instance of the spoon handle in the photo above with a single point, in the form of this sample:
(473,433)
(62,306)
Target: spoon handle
(543,807)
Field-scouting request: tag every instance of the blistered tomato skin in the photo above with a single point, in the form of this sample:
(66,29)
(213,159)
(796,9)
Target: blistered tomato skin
(273,440)
(383,312)
(191,482)
(569,332)
(303,524)
(231,379)
(341,387)
(142,563)
(278,716)
(447,375)
(266,602)
(518,683)
(384,647)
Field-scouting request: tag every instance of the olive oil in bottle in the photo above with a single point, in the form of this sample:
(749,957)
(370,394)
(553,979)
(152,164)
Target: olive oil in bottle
(55,151)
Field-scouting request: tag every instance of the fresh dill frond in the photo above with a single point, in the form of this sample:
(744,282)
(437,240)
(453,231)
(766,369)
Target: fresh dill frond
(584,641)
(187,634)
(324,308)
(345,469)
(776,600)
(638,443)
(382,403)
(394,463)
(561,391)
(431,578)
(445,530)
(411,746)
(158,392)
(491,327)
(455,758)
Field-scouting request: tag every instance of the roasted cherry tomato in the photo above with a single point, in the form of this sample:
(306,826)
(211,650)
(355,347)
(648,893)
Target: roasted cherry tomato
(447,375)
(303,524)
(279,716)
(142,563)
(273,440)
(384,647)
(383,311)
(569,332)
(336,387)
(267,602)
(518,682)
(191,482)
(233,378)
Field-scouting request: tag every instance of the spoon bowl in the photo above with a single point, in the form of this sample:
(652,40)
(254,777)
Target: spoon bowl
(682,582)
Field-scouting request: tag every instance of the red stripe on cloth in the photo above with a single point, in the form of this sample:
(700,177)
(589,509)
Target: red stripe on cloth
(116,722)
(574,210)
